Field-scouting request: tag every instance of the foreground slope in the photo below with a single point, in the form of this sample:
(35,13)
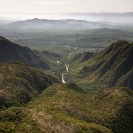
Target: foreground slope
(111,67)
(66,108)
(19,83)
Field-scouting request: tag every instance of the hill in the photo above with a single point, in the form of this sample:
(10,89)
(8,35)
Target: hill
(19,83)
(48,24)
(111,67)
(11,51)
(51,54)
(81,57)
(67,108)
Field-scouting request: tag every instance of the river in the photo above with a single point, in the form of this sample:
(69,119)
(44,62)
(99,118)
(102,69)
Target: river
(64,73)
(63,80)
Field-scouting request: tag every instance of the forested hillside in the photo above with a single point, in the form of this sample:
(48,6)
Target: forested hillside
(108,68)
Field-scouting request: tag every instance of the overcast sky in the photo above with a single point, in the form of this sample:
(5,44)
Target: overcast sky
(65,6)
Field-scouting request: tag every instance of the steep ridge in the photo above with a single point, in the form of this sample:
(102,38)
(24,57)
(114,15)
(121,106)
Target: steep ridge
(67,108)
(10,51)
(111,67)
(19,83)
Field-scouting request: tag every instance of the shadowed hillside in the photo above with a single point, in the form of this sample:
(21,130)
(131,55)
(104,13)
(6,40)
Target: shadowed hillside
(10,51)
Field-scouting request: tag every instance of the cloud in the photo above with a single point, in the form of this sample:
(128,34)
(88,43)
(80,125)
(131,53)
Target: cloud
(55,3)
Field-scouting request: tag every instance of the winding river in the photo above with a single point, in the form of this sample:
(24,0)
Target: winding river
(62,78)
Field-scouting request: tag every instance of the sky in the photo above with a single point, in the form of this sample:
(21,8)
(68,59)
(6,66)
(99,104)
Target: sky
(65,6)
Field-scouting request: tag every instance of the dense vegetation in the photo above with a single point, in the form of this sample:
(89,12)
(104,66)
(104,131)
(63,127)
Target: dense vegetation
(19,83)
(33,101)
(111,67)
(63,108)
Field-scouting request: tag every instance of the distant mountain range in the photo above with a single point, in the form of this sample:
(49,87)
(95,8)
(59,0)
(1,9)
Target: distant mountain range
(48,24)
(117,18)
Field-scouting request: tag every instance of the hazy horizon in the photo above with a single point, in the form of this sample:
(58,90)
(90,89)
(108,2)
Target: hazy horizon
(65,6)
(103,16)
(14,10)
